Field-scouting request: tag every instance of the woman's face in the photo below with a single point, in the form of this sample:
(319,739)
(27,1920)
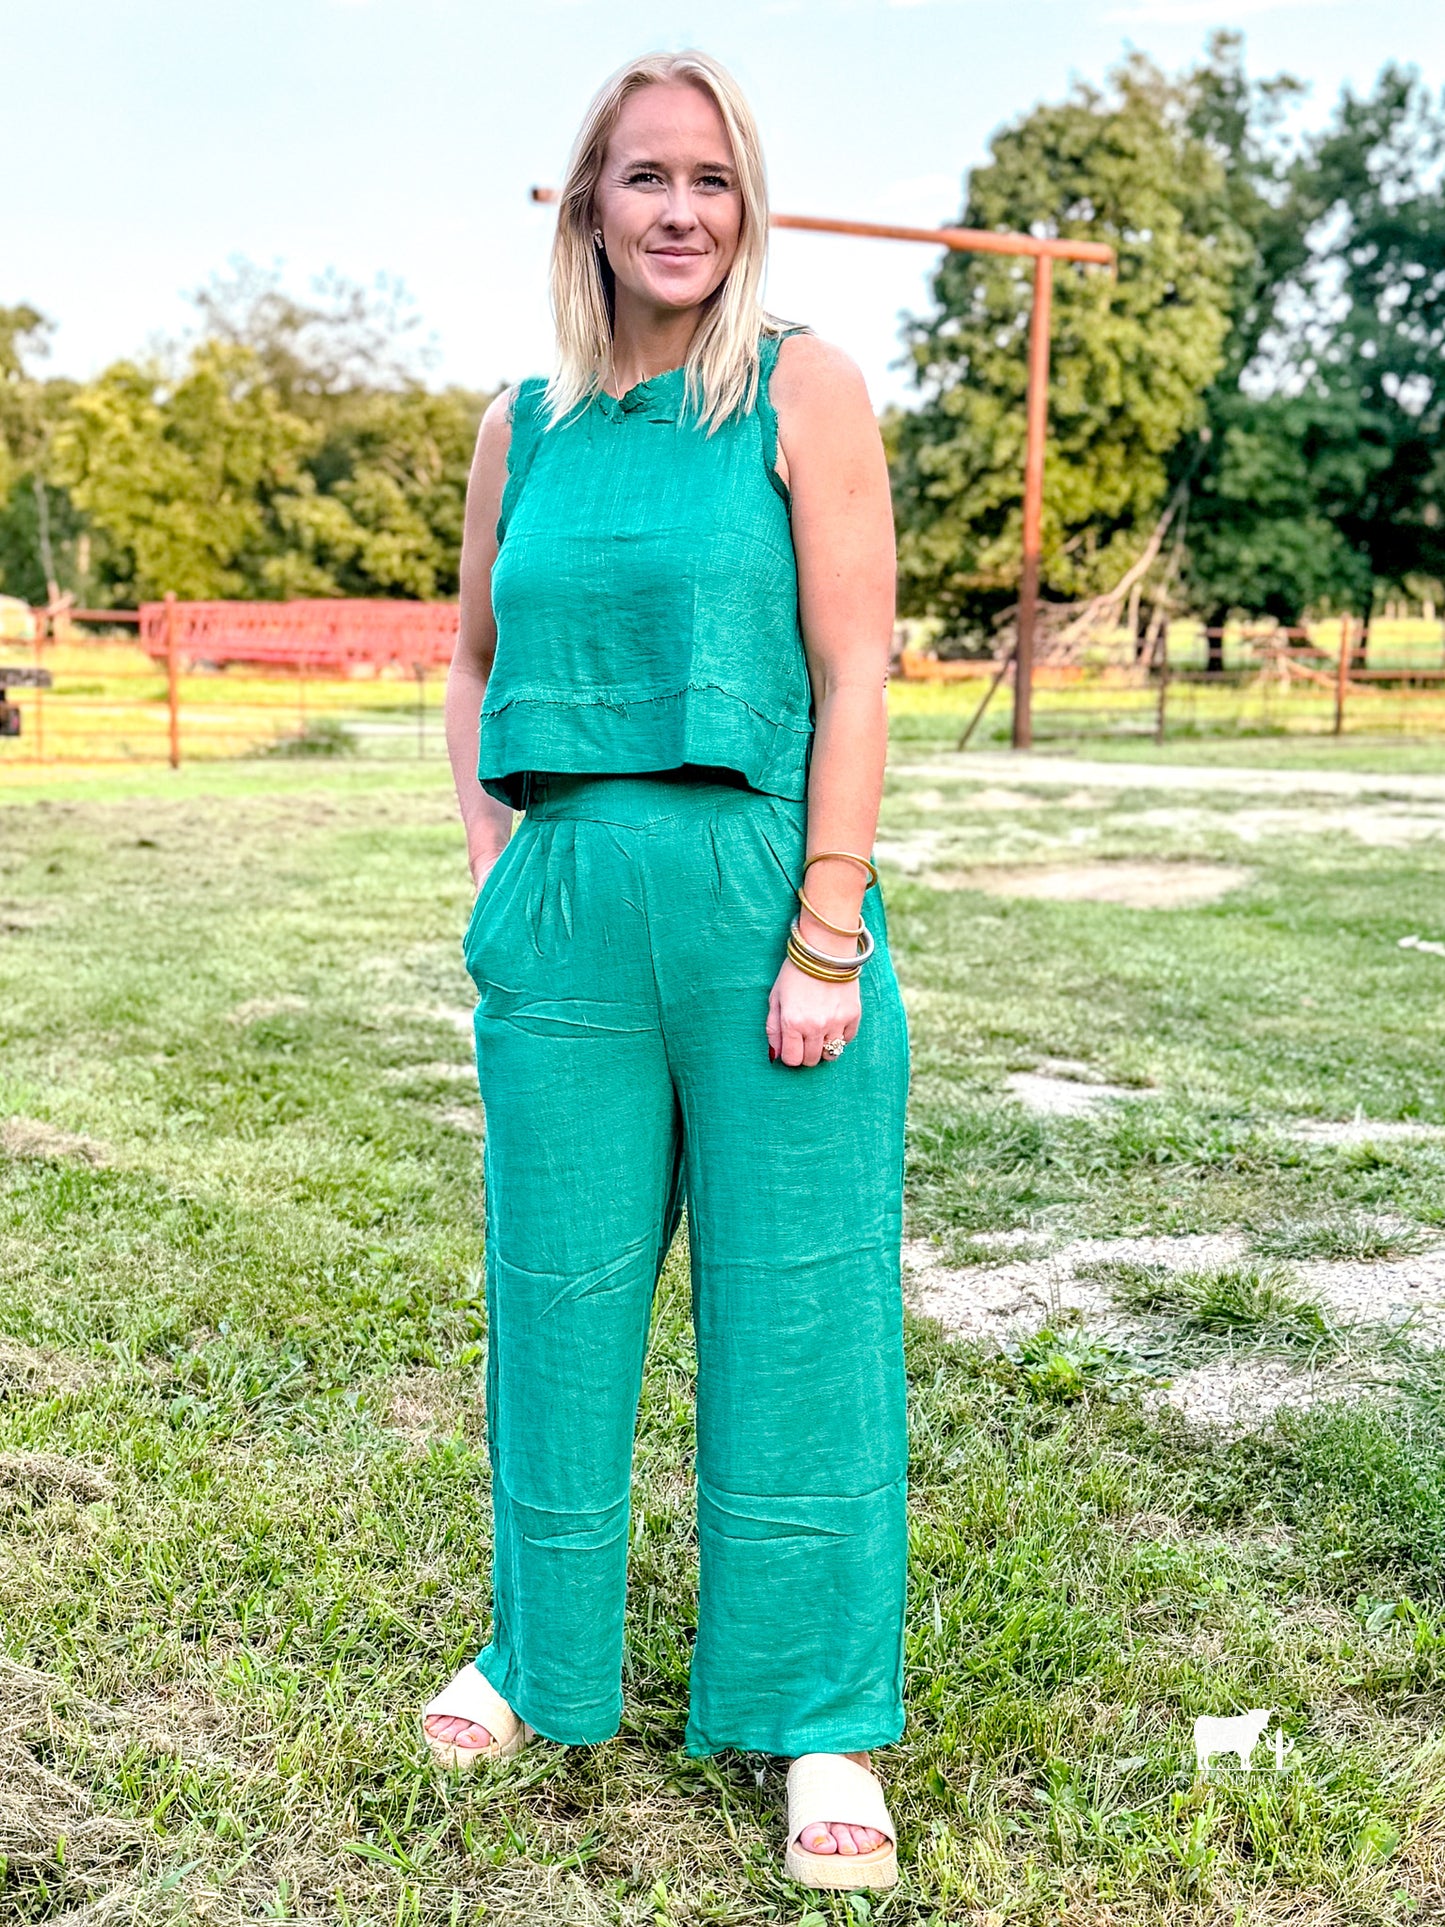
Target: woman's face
(667,199)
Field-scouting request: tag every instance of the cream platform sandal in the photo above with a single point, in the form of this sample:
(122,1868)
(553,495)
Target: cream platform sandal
(829,1788)
(472,1696)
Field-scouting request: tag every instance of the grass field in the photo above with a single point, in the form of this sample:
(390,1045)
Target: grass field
(242,1464)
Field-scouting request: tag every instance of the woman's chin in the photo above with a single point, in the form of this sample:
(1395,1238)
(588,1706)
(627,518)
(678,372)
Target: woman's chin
(678,293)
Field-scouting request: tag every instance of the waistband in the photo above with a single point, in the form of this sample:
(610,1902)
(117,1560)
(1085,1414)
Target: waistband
(652,798)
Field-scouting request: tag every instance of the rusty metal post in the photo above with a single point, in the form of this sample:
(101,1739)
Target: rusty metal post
(1038,422)
(173,679)
(39,711)
(1342,673)
(1044,251)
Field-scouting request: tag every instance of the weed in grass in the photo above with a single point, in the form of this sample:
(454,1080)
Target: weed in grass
(1259,1302)
(321,736)
(1355,1236)
(1058,1367)
(964,1252)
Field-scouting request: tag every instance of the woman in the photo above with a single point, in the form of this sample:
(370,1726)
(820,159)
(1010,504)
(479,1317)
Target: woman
(677,597)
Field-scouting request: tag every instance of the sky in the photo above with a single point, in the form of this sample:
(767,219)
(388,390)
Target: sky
(148,146)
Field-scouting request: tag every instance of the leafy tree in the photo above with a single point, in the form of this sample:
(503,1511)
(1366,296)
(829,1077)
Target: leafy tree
(40,530)
(1323,473)
(1374,337)
(1132,357)
(291,449)
(181,471)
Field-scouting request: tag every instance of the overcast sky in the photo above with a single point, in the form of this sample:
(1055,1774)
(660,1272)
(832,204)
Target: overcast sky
(146,145)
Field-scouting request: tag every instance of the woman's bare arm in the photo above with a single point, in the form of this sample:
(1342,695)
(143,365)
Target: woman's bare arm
(488,823)
(843,538)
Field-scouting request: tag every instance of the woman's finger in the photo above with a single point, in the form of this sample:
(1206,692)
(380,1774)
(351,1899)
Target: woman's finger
(792,1045)
(774,1025)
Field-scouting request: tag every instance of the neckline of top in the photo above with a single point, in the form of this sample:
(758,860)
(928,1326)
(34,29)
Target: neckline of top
(644,397)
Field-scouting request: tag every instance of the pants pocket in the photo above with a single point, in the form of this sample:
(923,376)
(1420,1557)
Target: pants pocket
(483,917)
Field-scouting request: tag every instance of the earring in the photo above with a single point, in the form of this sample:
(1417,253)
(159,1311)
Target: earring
(597,237)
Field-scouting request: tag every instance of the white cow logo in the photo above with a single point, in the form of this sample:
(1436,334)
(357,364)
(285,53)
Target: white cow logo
(1240,1734)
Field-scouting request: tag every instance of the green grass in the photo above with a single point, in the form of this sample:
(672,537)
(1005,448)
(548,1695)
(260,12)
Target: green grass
(243,1476)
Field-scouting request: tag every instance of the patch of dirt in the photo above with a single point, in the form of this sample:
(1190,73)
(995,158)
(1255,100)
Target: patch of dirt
(1005,1302)
(1054,1096)
(1384,1291)
(1361,1130)
(1001,1303)
(466,1118)
(1070,772)
(1238,1395)
(1133,886)
(33,1138)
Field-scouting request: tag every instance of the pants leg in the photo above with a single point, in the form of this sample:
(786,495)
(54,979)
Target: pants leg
(794,1184)
(582,1163)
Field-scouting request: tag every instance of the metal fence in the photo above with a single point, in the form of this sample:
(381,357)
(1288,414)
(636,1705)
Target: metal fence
(1332,679)
(179,681)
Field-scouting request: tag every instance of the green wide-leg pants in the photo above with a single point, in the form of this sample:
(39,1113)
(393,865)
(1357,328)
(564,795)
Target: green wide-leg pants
(624,946)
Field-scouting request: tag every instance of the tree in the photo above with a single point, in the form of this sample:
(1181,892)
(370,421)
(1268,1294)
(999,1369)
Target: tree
(1373,338)
(181,470)
(1132,358)
(1323,472)
(39,527)
(290,449)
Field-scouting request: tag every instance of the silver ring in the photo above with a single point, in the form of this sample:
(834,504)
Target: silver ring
(835,1046)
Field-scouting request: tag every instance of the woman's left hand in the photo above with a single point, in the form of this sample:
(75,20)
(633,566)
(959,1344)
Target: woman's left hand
(804,1013)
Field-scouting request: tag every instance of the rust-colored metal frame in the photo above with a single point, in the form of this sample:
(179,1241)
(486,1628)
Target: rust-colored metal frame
(1044,251)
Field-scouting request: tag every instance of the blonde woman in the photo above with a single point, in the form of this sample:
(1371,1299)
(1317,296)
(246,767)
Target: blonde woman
(677,597)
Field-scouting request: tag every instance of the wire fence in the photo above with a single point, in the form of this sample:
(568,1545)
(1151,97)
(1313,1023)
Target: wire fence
(177,681)
(1331,679)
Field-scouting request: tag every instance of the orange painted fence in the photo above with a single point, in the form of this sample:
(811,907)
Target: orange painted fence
(181,680)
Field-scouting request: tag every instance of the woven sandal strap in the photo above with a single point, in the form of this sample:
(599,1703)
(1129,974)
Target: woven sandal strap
(470,1695)
(827,1787)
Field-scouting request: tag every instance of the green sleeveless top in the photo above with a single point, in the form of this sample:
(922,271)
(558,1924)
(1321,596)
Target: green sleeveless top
(646,595)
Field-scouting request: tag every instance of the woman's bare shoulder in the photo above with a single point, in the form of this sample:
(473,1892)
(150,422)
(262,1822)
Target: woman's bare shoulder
(811,372)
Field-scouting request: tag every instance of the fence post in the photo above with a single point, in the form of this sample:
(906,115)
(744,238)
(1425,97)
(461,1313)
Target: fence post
(1163,655)
(1037,430)
(173,679)
(1342,673)
(39,711)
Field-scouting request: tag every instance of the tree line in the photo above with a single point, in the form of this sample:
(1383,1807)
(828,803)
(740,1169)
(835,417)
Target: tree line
(1254,403)
(1261,384)
(288,448)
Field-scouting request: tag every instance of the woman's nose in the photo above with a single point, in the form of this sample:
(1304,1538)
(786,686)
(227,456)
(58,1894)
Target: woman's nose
(678,212)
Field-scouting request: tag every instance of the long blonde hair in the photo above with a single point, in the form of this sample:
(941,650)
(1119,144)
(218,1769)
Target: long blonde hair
(721,370)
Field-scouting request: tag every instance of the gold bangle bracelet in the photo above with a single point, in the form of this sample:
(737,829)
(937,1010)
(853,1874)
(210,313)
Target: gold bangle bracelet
(845,856)
(837,928)
(811,969)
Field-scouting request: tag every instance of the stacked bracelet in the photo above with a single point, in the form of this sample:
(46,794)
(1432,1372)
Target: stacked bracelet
(821,964)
